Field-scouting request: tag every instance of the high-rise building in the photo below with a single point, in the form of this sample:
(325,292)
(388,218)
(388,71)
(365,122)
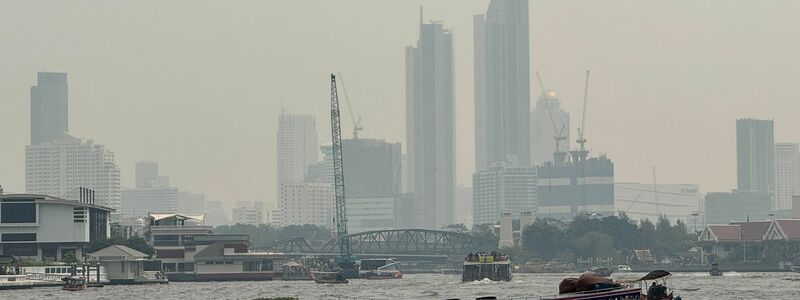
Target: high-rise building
(191,203)
(787,175)
(648,201)
(578,186)
(305,203)
(152,193)
(49,107)
(245,215)
(504,187)
(725,207)
(59,167)
(215,214)
(754,155)
(297,147)
(502,84)
(429,124)
(548,120)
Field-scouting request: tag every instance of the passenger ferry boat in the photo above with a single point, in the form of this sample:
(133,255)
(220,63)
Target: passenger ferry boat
(328,277)
(493,266)
(588,287)
(379,269)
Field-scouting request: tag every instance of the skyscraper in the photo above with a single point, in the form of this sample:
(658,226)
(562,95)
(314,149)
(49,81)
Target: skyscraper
(503,187)
(429,135)
(152,193)
(60,166)
(547,121)
(754,155)
(49,103)
(146,173)
(502,84)
(787,175)
(297,147)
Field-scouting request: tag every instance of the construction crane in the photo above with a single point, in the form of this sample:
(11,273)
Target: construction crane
(558,134)
(344,260)
(356,122)
(581,154)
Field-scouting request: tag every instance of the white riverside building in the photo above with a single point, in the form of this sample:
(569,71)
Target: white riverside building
(504,187)
(787,175)
(305,203)
(676,201)
(38,227)
(61,166)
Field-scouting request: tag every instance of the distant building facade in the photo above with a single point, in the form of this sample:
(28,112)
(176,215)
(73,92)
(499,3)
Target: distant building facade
(430,123)
(59,167)
(548,120)
(503,188)
(146,173)
(215,214)
(754,155)
(297,147)
(502,83)
(152,193)
(579,186)
(646,201)
(787,175)
(49,107)
(191,203)
(305,203)
(725,207)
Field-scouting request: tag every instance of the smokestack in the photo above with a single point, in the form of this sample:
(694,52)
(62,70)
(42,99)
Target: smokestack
(506,232)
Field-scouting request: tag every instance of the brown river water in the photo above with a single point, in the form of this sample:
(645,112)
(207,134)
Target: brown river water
(427,286)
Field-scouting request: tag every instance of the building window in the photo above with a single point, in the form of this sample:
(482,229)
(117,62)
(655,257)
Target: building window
(20,249)
(18,237)
(17,212)
(185,267)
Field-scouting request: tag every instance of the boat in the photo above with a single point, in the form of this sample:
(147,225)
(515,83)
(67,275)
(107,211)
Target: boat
(715,271)
(328,277)
(795,269)
(623,269)
(590,287)
(601,271)
(493,266)
(74,283)
(379,269)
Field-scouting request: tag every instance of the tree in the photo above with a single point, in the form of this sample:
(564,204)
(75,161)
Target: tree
(595,244)
(485,233)
(544,239)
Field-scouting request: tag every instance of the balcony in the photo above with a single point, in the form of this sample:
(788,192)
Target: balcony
(180,229)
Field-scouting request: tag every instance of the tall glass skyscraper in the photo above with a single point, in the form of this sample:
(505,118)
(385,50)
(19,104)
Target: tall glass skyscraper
(502,84)
(49,118)
(429,124)
(754,155)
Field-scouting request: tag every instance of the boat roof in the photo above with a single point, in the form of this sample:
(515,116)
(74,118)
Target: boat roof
(655,275)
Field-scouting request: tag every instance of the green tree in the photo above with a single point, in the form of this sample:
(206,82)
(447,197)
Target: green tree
(544,239)
(595,244)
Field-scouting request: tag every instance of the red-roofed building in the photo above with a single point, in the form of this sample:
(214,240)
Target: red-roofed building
(721,239)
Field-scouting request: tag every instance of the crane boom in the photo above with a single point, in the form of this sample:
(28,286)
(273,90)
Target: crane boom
(582,129)
(558,133)
(356,122)
(344,259)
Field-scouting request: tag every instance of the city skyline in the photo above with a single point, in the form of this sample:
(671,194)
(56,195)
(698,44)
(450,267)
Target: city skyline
(109,104)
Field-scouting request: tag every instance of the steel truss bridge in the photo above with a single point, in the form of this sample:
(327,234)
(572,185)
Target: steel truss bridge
(416,243)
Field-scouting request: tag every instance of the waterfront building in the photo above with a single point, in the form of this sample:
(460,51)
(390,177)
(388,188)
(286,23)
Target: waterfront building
(306,203)
(297,146)
(755,155)
(49,107)
(579,186)
(430,136)
(59,167)
(724,239)
(547,112)
(505,187)
(787,175)
(41,227)
(724,207)
(646,201)
(502,84)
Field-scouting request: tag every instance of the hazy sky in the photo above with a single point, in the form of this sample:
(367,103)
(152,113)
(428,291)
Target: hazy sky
(197,85)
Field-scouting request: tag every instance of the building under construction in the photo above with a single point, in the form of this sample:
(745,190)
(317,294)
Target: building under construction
(579,185)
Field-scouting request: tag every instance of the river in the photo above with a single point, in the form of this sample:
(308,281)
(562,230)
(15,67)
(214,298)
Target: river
(427,286)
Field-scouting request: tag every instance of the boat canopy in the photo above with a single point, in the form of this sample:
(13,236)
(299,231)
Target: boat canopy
(655,275)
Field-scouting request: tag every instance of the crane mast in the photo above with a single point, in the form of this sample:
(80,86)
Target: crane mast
(558,134)
(344,260)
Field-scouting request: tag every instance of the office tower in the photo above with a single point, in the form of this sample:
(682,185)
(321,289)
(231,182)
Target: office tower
(152,193)
(502,84)
(577,186)
(643,201)
(787,175)
(60,166)
(245,215)
(548,120)
(754,155)
(49,107)
(297,147)
(146,173)
(504,187)
(305,203)
(429,124)
(191,203)
(215,214)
